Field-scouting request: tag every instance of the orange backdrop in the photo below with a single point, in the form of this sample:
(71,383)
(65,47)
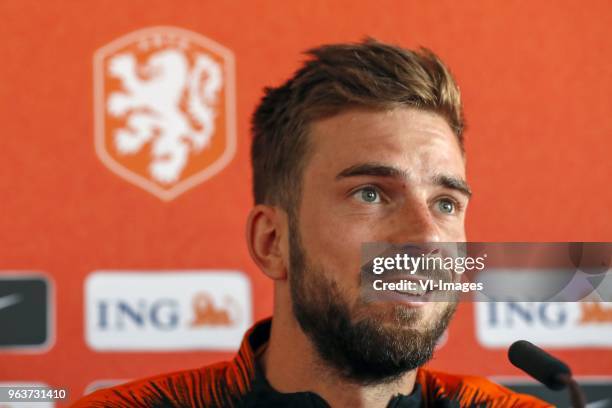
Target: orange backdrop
(536,79)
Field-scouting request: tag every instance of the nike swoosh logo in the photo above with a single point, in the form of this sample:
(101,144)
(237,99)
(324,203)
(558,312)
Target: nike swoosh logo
(10,300)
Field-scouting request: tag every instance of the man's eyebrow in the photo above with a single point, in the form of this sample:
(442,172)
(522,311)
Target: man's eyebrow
(382,170)
(371,169)
(453,183)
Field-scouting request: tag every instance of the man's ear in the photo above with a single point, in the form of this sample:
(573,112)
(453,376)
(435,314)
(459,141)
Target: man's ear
(266,239)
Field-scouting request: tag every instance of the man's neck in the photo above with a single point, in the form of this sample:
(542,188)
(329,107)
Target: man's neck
(291,364)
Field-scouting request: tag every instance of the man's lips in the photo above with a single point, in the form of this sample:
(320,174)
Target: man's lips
(409,300)
(418,290)
(418,297)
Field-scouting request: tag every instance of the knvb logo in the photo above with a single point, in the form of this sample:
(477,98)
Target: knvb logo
(550,324)
(165,311)
(25,312)
(164,109)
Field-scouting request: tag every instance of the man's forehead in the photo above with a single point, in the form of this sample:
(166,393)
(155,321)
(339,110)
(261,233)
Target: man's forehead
(413,141)
(373,122)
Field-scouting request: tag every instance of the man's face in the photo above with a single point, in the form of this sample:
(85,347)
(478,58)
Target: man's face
(373,176)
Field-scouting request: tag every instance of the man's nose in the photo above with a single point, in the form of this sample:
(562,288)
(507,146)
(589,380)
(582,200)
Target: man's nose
(414,222)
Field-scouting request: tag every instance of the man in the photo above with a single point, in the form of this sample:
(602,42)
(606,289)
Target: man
(363,144)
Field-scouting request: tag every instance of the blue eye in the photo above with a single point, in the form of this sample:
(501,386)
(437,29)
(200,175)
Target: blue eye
(369,195)
(446,206)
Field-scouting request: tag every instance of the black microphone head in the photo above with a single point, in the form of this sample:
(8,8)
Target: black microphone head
(538,364)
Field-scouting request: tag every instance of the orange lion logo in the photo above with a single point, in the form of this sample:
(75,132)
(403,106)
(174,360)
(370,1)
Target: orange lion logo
(207,314)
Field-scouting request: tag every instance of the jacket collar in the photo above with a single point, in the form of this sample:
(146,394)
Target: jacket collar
(263,394)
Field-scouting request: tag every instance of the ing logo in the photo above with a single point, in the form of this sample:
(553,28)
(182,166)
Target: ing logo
(207,314)
(164,109)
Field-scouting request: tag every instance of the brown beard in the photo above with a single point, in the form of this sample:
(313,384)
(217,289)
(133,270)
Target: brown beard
(353,341)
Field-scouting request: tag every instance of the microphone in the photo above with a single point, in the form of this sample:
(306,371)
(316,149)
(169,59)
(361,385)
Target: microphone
(548,370)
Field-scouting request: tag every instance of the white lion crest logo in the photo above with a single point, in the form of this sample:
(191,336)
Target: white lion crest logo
(164,108)
(153,105)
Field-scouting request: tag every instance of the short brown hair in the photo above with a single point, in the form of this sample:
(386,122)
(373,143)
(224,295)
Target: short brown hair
(338,77)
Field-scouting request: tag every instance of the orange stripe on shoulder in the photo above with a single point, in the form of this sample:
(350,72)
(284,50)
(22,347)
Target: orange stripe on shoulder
(468,390)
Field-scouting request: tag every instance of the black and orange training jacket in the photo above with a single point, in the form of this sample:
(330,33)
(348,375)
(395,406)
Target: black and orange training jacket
(241,383)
